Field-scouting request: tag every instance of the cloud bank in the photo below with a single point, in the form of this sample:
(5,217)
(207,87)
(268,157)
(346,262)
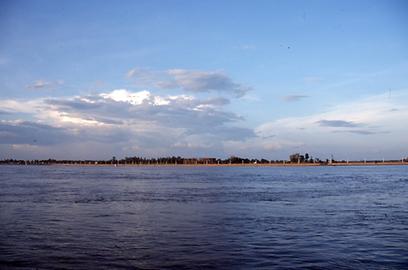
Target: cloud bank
(137,123)
(127,123)
(367,128)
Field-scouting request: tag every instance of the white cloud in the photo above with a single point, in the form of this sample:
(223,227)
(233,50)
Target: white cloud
(122,95)
(127,120)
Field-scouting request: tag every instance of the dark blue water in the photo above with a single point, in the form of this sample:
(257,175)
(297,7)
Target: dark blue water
(203,218)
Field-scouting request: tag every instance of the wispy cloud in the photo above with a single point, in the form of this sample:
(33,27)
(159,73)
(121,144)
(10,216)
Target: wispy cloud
(43,84)
(193,81)
(361,131)
(338,123)
(293,98)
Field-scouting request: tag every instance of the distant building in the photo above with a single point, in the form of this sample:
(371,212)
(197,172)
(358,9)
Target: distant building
(296,158)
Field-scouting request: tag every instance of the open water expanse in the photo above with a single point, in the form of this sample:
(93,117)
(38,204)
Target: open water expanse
(56,217)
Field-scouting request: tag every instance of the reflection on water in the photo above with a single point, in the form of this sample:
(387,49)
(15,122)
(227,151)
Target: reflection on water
(209,218)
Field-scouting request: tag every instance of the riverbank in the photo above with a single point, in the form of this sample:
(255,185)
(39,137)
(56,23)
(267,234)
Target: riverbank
(344,164)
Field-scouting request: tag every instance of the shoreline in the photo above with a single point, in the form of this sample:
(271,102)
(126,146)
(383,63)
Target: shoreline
(337,164)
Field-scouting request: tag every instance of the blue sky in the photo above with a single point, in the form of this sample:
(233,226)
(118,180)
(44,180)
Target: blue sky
(203,78)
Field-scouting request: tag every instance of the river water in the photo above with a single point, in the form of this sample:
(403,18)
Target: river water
(60,217)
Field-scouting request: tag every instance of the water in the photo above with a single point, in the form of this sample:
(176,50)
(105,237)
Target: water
(203,218)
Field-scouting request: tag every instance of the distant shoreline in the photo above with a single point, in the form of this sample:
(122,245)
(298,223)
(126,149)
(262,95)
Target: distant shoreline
(246,165)
(341,164)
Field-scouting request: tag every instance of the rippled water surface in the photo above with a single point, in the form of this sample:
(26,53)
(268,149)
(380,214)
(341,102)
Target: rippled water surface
(203,218)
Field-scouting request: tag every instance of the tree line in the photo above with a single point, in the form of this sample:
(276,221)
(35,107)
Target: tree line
(296,158)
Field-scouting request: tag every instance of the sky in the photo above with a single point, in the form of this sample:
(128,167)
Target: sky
(265,79)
